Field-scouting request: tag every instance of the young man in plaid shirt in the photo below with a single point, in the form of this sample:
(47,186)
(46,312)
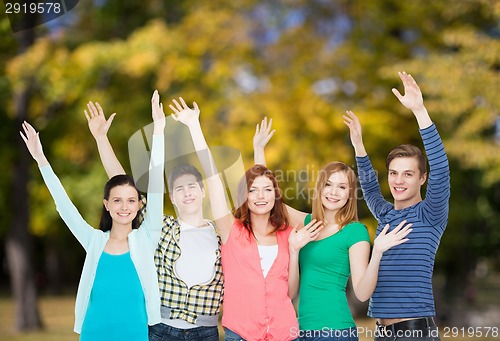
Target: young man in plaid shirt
(188,255)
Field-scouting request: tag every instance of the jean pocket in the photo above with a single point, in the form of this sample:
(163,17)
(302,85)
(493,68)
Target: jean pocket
(155,333)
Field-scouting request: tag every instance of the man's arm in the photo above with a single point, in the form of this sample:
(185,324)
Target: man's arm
(438,185)
(99,126)
(366,174)
(413,100)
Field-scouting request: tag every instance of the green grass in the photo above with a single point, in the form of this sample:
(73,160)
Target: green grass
(57,315)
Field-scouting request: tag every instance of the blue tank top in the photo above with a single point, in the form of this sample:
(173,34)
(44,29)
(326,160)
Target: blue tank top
(117,309)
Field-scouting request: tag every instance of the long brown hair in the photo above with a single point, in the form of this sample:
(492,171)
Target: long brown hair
(347,213)
(278,216)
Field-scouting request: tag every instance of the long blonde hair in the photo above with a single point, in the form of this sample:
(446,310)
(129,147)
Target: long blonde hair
(347,213)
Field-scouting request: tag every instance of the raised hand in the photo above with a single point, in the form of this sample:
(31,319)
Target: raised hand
(157,113)
(352,122)
(32,140)
(299,238)
(412,98)
(385,241)
(263,133)
(184,114)
(98,124)
(262,136)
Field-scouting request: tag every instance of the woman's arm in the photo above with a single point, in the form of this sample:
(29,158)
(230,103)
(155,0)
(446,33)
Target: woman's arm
(99,126)
(216,192)
(153,219)
(261,137)
(263,134)
(364,275)
(297,240)
(68,212)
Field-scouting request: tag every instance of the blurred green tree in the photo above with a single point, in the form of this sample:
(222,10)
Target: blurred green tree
(303,63)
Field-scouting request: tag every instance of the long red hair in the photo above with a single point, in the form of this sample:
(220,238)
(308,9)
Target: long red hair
(278,216)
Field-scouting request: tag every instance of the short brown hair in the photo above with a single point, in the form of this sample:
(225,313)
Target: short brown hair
(408,150)
(347,213)
(181,170)
(278,217)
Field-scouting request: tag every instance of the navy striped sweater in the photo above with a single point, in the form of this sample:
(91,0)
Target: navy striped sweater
(404,286)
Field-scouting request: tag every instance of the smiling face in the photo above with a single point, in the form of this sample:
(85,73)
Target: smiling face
(123,204)
(405,181)
(335,194)
(187,195)
(261,195)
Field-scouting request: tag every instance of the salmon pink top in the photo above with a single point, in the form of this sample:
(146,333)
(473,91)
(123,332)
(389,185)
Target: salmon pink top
(256,307)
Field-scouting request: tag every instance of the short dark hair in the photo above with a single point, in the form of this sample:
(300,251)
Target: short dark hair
(117,180)
(408,150)
(184,169)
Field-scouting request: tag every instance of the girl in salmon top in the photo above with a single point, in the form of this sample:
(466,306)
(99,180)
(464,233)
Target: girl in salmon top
(255,241)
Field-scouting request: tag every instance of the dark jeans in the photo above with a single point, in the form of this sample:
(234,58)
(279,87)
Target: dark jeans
(163,332)
(423,329)
(348,334)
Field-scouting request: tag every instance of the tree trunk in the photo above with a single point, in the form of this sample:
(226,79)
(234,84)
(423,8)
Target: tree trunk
(19,243)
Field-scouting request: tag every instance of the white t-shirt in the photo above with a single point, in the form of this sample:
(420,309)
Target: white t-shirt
(196,264)
(267,254)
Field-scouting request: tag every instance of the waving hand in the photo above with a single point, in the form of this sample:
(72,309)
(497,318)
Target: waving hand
(98,124)
(32,140)
(184,114)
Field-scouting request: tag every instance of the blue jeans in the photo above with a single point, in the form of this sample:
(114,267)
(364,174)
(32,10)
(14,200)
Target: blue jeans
(229,335)
(348,334)
(163,332)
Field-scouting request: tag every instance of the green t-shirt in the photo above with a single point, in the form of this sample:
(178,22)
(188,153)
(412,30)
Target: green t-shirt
(324,271)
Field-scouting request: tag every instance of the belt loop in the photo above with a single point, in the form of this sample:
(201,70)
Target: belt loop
(381,329)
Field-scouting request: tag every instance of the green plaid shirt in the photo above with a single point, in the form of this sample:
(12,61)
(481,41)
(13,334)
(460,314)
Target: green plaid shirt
(184,303)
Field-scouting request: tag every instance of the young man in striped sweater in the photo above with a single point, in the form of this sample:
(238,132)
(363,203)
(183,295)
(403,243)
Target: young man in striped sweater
(403,302)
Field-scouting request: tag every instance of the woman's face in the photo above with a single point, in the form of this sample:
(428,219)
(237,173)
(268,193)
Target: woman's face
(335,194)
(123,204)
(261,195)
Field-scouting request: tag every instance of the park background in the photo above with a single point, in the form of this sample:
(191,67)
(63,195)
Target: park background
(301,62)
